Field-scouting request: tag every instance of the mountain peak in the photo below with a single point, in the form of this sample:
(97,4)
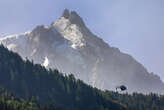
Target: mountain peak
(66,14)
(67,44)
(73,17)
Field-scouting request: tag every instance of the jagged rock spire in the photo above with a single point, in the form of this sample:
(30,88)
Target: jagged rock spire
(76,19)
(66,14)
(73,17)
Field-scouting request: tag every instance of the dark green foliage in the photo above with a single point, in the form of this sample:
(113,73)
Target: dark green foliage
(137,101)
(10,102)
(32,81)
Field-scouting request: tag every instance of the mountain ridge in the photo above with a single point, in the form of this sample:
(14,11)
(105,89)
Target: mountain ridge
(72,48)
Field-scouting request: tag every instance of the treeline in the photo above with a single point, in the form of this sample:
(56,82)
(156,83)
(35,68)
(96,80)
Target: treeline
(28,80)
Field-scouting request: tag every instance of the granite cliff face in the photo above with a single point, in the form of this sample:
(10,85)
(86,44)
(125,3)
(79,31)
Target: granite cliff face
(71,47)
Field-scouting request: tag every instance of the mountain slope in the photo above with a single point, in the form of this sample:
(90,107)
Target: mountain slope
(69,46)
(49,90)
(28,80)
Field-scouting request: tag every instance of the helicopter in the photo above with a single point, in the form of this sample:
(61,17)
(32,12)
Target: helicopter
(122,88)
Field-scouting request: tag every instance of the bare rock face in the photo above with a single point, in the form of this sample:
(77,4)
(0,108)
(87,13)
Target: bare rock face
(66,14)
(73,17)
(69,46)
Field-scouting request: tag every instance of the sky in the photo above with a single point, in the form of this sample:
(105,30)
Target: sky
(135,27)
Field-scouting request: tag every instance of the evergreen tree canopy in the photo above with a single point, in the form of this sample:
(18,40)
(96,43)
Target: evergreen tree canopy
(33,81)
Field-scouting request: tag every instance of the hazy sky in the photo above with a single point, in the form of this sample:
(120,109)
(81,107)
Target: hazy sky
(134,26)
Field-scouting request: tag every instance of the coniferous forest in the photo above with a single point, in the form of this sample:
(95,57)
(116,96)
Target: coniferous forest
(28,86)
(137,101)
(10,102)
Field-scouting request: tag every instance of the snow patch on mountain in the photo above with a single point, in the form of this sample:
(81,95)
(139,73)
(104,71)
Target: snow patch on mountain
(46,62)
(11,46)
(14,36)
(12,41)
(61,24)
(70,31)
